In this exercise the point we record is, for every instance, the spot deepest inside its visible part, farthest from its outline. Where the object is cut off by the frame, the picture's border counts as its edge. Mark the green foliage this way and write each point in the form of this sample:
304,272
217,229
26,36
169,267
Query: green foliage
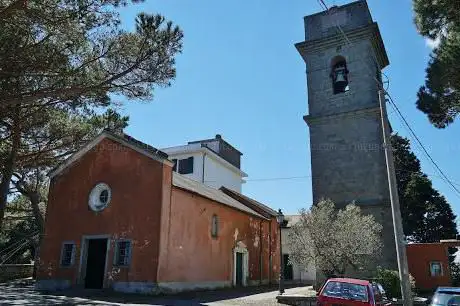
390,281
20,235
440,97
48,136
76,52
426,214
62,61
455,274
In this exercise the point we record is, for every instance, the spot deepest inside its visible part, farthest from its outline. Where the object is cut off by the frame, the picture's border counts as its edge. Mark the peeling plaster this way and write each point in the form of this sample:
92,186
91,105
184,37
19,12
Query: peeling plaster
256,241
235,235
113,273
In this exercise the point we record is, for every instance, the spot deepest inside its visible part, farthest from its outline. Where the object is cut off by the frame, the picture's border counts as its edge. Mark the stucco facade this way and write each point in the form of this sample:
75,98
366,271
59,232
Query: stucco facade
167,223
423,257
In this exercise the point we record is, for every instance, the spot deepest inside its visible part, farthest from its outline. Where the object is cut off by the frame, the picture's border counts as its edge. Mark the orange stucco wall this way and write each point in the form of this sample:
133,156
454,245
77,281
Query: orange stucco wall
134,211
419,256
170,228
193,255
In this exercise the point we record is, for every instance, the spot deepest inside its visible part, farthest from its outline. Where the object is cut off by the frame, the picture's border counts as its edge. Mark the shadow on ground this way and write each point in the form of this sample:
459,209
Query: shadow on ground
23,293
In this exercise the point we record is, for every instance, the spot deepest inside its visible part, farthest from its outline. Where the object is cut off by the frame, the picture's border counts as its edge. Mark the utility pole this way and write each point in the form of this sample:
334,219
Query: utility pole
395,208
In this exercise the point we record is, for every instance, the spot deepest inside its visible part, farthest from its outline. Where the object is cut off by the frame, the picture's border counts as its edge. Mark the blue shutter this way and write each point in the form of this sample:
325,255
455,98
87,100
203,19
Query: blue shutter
128,253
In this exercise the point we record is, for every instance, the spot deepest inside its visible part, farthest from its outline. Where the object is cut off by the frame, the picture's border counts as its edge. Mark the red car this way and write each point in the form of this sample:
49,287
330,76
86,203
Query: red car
351,292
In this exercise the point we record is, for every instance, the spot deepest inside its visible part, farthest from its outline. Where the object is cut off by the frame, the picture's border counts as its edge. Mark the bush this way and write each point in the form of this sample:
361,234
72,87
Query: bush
390,281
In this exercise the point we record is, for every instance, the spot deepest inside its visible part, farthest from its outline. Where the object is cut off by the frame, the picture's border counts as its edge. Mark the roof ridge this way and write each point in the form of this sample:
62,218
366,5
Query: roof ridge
264,207
213,194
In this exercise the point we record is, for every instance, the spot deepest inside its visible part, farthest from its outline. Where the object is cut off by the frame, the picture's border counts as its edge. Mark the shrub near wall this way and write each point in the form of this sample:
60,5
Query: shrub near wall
12,272
390,281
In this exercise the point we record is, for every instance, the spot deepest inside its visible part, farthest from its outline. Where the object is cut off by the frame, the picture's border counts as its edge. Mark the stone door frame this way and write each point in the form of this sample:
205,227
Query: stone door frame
241,248
84,257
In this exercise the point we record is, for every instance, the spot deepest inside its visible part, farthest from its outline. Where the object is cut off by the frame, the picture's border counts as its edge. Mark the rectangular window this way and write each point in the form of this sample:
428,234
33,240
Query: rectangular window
67,254
186,165
214,226
175,165
435,268
122,253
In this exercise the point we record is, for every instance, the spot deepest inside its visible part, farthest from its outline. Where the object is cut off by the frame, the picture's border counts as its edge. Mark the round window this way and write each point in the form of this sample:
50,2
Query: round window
100,197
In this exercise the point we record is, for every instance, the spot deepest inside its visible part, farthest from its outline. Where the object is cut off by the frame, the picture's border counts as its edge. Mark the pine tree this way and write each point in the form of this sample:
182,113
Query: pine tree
440,97
427,216
60,61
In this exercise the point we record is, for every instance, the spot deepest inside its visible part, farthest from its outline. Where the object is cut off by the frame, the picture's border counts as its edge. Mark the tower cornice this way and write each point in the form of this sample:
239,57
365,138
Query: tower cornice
372,31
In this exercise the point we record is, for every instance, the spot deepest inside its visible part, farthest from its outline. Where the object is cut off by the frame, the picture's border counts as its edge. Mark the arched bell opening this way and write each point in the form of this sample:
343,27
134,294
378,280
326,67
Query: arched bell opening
339,75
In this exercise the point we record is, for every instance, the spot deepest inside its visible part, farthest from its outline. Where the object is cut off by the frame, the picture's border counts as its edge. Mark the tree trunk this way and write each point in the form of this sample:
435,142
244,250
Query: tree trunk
8,167
35,198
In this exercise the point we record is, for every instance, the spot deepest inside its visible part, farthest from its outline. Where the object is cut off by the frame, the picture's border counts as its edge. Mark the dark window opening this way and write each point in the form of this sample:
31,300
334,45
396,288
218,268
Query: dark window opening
214,226
175,165
104,196
123,253
339,75
186,165
68,251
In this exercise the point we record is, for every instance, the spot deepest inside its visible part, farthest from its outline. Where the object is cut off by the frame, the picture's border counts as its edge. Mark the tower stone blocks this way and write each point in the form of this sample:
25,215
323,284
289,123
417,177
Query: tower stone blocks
344,55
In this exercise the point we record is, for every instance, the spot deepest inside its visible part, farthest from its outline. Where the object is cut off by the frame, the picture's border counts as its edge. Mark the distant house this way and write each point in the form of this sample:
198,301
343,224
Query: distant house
120,217
295,273
429,263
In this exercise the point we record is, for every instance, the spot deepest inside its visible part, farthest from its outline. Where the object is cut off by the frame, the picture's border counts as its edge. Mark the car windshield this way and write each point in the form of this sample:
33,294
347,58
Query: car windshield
446,299
346,291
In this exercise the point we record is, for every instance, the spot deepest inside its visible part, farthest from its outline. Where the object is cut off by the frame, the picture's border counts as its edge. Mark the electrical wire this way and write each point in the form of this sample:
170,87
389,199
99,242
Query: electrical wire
393,104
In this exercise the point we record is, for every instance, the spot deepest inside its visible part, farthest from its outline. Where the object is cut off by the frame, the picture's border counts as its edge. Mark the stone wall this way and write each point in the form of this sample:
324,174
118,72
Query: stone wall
346,139
11,272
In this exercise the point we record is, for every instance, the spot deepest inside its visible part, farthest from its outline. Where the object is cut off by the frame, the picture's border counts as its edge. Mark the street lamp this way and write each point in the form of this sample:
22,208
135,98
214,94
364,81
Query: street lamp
280,219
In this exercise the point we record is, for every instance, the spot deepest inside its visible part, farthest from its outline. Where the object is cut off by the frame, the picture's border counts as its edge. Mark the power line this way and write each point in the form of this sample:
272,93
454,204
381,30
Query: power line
323,4
421,144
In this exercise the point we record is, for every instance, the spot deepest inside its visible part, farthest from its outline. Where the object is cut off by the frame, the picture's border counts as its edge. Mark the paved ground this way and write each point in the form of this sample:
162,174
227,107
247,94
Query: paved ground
23,293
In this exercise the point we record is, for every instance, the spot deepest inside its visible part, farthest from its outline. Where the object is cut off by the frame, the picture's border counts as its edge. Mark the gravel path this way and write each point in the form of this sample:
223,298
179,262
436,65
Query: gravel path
23,293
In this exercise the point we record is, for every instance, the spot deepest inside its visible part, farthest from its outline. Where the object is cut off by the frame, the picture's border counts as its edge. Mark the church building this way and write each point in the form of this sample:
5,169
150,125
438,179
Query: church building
124,215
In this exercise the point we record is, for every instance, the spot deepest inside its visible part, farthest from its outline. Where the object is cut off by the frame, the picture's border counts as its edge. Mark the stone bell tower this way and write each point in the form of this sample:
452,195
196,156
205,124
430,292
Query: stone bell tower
344,55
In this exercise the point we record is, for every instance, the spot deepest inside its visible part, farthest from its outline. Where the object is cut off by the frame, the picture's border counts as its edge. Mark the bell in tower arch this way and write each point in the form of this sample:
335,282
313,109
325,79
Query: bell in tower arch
340,77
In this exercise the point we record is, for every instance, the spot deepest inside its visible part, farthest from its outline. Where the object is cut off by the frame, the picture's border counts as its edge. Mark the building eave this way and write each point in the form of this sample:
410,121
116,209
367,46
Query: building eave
212,194
95,141
249,202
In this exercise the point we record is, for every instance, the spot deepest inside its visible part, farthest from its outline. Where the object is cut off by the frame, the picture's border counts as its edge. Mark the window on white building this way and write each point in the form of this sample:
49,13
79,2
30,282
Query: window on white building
435,268
185,165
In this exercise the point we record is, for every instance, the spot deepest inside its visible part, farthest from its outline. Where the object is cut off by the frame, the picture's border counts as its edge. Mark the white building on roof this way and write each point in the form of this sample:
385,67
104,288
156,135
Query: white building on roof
213,162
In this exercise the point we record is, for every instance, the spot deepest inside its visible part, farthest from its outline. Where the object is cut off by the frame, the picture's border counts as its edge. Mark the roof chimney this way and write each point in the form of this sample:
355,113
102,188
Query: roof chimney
218,136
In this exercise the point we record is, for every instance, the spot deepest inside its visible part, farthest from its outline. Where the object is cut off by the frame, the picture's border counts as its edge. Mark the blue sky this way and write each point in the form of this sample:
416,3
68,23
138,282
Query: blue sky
240,76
